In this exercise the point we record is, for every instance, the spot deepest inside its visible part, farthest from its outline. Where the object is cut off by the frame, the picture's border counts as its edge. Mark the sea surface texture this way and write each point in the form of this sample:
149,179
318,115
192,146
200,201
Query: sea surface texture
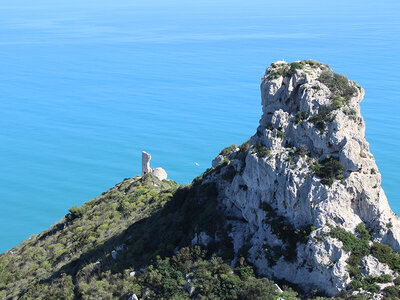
85,86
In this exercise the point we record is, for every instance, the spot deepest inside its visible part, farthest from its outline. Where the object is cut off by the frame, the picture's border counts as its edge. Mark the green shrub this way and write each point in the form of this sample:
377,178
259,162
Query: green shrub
257,289
75,212
261,150
301,116
286,232
357,246
323,118
338,102
277,73
312,63
4,276
339,85
385,278
244,147
397,281
226,151
280,134
293,67
391,293
285,71
328,170
350,112
385,255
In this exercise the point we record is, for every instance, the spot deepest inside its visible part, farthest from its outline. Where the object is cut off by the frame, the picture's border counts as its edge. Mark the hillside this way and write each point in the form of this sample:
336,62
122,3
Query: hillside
299,203
94,251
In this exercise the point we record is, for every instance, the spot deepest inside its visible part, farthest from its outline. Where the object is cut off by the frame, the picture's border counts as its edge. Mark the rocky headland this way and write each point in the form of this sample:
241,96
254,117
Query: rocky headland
299,204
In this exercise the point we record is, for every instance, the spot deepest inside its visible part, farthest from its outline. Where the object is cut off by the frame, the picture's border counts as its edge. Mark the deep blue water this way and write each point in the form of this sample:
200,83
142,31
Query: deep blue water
85,86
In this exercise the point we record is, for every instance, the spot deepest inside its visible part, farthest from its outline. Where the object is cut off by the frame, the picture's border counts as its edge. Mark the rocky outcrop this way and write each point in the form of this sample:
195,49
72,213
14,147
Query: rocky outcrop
146,163
158,172
307,170
216,161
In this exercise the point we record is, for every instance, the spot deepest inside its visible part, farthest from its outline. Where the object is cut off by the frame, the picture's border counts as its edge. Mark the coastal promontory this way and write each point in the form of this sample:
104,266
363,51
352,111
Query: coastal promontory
296,211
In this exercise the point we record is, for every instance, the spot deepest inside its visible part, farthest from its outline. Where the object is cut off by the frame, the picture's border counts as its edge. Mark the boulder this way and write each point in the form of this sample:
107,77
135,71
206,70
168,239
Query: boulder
216,161
160,173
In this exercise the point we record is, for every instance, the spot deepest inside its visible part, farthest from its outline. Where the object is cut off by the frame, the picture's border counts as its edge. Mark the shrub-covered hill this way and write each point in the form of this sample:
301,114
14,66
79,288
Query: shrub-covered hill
123,243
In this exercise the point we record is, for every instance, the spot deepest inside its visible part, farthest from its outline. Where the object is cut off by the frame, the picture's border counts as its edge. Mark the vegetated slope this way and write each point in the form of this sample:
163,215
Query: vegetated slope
92,252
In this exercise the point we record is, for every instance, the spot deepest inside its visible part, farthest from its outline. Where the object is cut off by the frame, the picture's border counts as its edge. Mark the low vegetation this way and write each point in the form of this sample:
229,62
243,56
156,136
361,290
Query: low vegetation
301,116
339,85
280,134
287,233
386,255
228,150
323,118
147,216
207,277
329,170
286,70
359,246
261,150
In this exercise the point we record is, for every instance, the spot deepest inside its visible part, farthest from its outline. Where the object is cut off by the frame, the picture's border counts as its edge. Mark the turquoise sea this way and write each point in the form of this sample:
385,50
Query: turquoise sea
85,86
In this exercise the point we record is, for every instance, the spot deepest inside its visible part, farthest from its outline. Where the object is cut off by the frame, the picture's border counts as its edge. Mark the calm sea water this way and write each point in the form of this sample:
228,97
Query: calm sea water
85,86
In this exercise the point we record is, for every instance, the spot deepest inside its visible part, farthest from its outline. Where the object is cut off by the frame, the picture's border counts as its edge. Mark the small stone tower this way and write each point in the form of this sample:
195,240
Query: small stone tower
158,172
146,163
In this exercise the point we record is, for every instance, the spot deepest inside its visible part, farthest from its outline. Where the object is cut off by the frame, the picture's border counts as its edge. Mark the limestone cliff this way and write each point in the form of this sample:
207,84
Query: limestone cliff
305,175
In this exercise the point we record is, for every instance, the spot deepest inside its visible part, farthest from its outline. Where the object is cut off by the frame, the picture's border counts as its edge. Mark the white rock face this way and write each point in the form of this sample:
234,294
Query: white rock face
372,266
216,161
285,181
158,172
133,297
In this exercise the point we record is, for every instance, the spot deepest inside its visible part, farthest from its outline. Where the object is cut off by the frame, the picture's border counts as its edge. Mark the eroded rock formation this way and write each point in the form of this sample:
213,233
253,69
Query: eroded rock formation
307,172
146,163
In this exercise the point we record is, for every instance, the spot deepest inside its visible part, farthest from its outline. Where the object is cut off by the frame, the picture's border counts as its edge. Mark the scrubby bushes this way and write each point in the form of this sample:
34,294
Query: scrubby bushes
207,277
341,92
357,245
243,148
301,116
261,150
339,85
323,118
350,112
391,293
280,134
286,70
226,151
386,255
328,170
286,232
76,212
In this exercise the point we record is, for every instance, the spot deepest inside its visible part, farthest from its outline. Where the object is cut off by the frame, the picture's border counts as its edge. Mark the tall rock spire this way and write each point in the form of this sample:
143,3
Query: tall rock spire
306,173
